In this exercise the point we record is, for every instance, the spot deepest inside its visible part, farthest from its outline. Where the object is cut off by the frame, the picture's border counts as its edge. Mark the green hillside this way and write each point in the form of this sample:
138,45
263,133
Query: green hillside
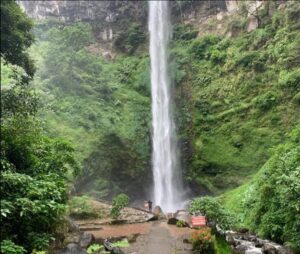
236,98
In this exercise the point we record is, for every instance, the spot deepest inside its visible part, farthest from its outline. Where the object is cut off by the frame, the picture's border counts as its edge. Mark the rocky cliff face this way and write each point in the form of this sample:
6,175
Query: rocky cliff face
111,17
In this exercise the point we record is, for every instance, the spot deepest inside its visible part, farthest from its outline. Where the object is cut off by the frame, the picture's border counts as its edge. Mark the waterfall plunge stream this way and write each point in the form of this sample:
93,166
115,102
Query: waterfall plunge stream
168,190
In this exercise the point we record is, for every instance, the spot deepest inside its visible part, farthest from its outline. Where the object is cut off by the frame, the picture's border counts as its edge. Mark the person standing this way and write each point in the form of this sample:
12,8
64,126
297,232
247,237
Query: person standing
150,205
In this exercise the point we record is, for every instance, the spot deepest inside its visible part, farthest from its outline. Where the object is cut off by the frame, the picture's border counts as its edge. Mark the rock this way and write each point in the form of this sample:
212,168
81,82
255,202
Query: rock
240,249
72,226
268,249
211,224
135,215
86,239
253,251
73,248
260,242
72,238
132,238
158,212
252,23
184,216
171,217
185,240
243,230
230,240
172,221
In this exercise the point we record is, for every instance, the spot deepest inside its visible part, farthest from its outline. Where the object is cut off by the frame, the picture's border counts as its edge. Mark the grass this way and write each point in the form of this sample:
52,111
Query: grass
221,246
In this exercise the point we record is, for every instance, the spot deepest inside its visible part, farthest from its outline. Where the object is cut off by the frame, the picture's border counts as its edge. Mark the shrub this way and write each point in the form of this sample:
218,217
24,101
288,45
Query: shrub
266,101
203,241
39,241
80,208
213,210
95,248
290,79
184,32
121,244
129,41
251,59
271,203
9,247
235,26
119,202
217,56
296,98
181,223
200,47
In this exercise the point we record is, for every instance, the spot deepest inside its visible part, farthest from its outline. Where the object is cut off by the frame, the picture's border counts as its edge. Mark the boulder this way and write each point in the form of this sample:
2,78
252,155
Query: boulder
158,212
268,249
73,248
86,239
243,230
72,238
240,249
171,217
184,216
230,239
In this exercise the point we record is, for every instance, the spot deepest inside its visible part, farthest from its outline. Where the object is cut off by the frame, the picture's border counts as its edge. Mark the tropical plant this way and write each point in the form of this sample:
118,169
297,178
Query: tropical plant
203,241
119,202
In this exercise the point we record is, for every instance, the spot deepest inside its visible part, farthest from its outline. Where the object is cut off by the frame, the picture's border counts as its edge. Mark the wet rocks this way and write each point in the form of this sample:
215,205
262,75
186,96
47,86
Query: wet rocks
243,242
158,213
181,215
132,215
73,248
86,239
171,217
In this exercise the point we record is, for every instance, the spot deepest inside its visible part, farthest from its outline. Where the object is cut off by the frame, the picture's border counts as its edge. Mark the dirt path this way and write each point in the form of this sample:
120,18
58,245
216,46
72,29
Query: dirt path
161,239
155,237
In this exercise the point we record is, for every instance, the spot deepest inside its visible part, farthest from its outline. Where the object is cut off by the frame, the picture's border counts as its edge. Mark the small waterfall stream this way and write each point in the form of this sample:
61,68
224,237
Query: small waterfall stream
168,190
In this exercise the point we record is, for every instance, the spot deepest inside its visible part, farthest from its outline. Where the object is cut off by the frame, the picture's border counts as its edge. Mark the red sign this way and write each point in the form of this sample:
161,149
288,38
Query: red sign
198,221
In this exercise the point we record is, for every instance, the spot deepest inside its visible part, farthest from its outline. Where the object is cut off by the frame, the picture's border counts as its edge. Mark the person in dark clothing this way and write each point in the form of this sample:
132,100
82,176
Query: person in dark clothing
150,205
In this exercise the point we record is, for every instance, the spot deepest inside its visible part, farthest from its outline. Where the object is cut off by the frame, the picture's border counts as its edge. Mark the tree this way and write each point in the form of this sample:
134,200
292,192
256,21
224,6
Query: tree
16,36
33,177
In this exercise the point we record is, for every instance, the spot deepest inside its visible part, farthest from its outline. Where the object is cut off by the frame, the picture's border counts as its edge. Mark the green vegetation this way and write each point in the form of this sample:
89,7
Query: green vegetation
213,210
203,241
119,202
95,248
34,166
237,99
237,110
8,247
80,208
269,203
221,246
16,36
102,106
123,243
180,224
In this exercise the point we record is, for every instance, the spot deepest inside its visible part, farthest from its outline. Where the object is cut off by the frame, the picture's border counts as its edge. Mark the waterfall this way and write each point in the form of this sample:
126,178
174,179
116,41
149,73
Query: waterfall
167,178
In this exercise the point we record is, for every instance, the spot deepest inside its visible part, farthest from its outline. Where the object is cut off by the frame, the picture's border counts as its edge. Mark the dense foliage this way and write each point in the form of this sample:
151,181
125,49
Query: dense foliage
203,241
34,166
118,203
101,105
237,95
269,204
213,210
16,36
